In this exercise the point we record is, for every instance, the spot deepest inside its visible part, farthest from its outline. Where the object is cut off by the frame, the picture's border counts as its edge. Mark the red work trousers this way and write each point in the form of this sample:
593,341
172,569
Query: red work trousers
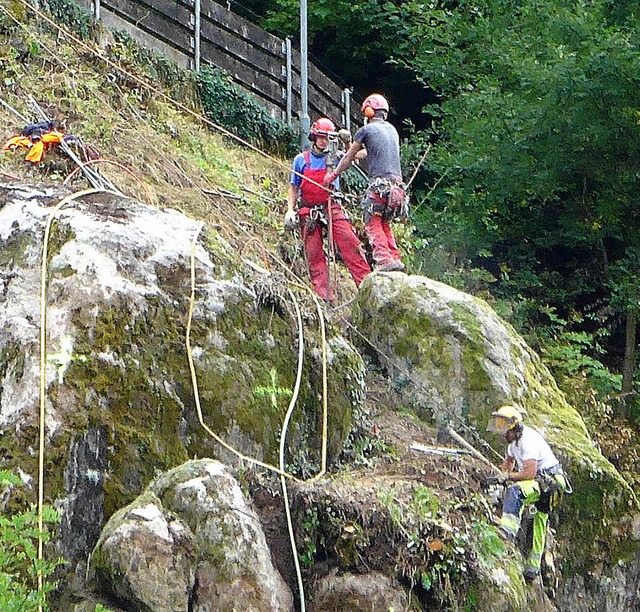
346,241
385,250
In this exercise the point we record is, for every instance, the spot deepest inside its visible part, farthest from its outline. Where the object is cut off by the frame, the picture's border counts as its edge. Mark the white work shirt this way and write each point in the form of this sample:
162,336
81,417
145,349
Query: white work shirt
532,445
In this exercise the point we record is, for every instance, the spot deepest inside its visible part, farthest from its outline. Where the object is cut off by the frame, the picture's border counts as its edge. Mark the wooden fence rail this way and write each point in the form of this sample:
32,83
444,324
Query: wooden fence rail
197,32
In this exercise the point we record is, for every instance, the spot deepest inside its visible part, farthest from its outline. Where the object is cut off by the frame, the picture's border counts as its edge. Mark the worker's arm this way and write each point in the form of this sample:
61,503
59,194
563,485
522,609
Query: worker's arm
292,197
507,463
345,162
528,471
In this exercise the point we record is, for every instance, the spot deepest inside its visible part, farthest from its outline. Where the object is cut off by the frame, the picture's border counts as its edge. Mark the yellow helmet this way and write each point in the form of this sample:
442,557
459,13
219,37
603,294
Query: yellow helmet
504,419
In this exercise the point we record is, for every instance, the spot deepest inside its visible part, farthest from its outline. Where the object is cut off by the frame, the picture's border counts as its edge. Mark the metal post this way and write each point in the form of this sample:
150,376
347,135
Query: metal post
96,10
289,81
305,122
346,99
196,36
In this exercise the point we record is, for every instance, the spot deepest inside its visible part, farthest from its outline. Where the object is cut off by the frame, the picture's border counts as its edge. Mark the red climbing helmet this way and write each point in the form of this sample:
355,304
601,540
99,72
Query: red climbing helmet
373,103
321,127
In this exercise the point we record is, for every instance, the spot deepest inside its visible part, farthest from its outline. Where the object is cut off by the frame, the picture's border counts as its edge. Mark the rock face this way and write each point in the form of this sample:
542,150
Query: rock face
120,396
128,397
190,541
372,591
454,360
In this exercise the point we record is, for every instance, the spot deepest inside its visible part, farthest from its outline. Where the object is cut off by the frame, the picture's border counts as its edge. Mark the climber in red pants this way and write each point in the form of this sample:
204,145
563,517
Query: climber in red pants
385,199
308,208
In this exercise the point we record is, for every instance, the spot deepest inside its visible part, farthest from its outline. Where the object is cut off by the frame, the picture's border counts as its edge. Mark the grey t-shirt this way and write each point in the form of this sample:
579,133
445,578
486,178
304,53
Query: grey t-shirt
381,140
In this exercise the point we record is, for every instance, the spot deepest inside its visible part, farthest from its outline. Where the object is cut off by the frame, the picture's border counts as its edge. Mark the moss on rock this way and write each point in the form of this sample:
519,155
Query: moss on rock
460,362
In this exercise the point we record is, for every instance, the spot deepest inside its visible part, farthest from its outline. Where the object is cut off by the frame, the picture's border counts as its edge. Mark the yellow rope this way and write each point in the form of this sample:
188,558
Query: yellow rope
285,427
298,282
325,409
43,366
194,379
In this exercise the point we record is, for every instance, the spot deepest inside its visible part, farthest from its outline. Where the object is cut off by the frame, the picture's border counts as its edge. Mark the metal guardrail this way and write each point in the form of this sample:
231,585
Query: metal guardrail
197,32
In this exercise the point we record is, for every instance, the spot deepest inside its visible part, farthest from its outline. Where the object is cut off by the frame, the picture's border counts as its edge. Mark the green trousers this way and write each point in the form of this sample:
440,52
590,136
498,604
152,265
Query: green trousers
519,495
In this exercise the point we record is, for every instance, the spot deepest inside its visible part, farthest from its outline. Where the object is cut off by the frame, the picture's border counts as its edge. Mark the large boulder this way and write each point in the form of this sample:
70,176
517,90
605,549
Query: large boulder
190,541
122,403
455,361
146,559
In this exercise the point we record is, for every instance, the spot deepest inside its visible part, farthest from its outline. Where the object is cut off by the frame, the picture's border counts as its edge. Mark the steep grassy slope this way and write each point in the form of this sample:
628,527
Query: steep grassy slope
172,158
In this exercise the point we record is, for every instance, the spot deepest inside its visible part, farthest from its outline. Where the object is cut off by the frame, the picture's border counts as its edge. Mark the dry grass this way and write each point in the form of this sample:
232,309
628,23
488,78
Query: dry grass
172,159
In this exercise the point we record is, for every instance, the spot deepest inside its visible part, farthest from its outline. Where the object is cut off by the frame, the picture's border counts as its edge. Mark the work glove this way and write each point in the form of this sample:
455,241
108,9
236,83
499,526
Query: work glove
329,178
503,478
291,220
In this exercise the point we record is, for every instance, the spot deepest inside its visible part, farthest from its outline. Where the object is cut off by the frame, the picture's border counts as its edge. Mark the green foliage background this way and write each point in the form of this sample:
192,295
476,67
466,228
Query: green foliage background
530,193
226,105
19,563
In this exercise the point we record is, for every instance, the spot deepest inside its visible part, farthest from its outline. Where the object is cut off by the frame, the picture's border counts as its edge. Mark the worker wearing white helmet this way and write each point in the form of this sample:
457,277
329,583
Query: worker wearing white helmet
532,474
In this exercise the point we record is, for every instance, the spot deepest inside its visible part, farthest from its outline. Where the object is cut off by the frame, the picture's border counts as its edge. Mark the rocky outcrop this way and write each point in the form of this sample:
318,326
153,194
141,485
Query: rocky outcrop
124,407
122,403
189,542
454,360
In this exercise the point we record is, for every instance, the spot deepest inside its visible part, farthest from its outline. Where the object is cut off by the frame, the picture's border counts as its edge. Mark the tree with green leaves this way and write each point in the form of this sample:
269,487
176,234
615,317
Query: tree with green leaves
532,182
538,144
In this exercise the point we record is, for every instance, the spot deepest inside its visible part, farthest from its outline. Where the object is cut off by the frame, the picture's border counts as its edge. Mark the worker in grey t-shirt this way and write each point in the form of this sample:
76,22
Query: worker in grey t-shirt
385,198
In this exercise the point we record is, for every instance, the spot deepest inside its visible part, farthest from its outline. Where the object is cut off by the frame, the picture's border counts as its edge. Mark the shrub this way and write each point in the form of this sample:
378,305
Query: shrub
19,563
228,106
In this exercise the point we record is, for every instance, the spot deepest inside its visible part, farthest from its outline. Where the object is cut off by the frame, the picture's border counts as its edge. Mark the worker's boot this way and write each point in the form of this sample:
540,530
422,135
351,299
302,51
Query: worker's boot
393,266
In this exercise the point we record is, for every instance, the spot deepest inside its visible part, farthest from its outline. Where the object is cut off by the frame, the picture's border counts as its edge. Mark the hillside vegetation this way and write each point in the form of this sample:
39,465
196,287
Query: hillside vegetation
146,119
132,107
134,117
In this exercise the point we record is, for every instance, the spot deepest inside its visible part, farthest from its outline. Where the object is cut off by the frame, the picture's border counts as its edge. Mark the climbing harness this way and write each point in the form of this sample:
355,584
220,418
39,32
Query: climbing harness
387,198
314,215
